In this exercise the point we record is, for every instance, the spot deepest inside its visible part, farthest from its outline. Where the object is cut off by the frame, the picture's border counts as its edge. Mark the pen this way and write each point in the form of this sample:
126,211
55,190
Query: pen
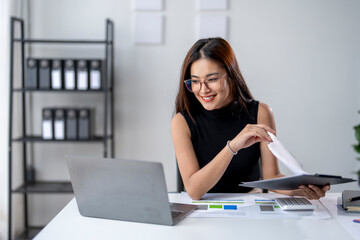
354,198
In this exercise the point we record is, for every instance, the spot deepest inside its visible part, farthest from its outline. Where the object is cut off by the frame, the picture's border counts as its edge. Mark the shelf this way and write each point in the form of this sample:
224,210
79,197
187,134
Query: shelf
28,137
30,233
59,41
40,139
61,90
45,187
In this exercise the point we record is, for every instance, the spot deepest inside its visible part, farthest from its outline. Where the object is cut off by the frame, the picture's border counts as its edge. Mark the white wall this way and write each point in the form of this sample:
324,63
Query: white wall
4,23
300,57
6,9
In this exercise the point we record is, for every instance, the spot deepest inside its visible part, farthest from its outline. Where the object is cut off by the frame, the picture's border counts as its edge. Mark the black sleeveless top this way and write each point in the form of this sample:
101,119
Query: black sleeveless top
209,134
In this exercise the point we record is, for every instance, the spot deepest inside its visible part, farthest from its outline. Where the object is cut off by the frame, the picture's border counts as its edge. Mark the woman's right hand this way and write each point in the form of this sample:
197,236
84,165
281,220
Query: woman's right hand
252,133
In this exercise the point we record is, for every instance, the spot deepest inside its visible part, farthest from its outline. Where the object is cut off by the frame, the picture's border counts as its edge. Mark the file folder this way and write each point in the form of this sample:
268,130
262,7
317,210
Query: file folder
44,74
69,75
84,124
47,124
95,74
56,74
71,124
31,80
59,124
82,75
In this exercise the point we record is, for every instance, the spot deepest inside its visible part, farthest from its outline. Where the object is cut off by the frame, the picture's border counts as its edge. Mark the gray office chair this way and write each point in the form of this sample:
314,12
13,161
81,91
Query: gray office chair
257,174
179,182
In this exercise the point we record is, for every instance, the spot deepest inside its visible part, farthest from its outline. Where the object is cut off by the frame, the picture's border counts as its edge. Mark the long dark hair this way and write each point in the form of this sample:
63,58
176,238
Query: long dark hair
220,51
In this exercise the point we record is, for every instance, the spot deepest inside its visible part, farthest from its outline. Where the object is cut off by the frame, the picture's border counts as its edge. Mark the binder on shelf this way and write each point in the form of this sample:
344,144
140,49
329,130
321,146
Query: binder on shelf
84,124
47,124
69,74
56,74
59,124
44,74
31,80
95,74
71,124
82,75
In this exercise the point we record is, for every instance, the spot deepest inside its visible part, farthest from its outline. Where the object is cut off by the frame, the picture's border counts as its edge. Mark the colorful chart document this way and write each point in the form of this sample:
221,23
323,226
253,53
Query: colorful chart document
247,206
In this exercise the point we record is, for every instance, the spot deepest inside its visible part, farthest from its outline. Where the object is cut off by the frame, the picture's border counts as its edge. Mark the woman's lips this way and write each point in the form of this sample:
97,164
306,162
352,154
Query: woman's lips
208,98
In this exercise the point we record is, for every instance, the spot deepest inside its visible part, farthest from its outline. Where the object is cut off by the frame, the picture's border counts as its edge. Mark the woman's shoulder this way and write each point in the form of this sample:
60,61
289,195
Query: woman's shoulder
264,108
178,118
184,116
179,123
265,114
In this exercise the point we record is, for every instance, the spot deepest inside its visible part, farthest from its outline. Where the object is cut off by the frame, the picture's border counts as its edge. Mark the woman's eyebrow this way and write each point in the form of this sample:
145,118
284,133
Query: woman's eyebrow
207,75
212,74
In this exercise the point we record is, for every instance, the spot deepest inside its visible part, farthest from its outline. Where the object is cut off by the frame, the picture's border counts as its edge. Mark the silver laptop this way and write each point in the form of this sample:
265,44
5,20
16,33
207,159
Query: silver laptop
126,190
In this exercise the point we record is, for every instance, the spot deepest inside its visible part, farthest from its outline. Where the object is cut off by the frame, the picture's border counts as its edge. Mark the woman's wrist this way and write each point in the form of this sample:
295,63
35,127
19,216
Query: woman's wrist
231,148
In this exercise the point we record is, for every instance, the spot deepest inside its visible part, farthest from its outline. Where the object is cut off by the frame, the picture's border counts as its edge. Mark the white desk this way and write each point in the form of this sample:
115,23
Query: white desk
69,224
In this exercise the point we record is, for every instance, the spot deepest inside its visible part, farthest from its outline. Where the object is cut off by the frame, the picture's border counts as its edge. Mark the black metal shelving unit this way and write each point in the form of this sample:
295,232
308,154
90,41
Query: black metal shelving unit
40,139
52,187
60,90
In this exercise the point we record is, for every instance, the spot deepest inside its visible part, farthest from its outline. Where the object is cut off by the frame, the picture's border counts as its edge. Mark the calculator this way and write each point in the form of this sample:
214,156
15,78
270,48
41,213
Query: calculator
295,203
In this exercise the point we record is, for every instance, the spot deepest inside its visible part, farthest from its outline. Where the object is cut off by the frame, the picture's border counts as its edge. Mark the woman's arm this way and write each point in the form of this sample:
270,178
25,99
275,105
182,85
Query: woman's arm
269,163
199,181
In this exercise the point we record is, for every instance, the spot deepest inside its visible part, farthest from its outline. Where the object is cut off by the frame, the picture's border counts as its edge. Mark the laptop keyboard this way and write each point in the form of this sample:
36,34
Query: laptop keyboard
292,203
174,214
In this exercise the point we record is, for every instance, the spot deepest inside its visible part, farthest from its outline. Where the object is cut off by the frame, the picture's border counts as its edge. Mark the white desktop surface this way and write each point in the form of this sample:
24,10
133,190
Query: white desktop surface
69,224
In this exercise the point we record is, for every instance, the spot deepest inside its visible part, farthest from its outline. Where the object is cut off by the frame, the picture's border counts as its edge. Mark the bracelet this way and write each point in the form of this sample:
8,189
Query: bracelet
228,144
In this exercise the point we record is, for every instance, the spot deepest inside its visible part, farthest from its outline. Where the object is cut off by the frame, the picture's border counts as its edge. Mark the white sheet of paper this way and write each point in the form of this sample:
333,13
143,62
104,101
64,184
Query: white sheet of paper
82,80
212,4
148,4
59,128
95,80
47,132
212,26
56,79
281,153
148,28
69,79
248,206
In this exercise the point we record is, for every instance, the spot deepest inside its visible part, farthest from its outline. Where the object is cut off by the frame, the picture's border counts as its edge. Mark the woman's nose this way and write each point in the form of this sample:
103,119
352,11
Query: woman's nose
204,87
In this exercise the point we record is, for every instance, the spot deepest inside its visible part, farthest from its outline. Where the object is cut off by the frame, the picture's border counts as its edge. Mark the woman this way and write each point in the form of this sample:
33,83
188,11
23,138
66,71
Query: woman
219,131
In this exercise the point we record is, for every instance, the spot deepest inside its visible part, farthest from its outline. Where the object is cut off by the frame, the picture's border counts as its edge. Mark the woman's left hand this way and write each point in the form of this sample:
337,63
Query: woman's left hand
313,192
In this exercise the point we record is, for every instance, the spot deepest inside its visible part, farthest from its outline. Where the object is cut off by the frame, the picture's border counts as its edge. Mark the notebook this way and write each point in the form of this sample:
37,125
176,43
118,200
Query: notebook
127,190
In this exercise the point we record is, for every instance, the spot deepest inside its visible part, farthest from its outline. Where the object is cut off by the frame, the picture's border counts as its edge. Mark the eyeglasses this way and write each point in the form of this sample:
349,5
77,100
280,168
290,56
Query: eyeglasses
213,83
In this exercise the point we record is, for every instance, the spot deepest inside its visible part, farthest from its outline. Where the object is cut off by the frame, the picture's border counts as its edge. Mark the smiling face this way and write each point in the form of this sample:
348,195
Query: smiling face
204,70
